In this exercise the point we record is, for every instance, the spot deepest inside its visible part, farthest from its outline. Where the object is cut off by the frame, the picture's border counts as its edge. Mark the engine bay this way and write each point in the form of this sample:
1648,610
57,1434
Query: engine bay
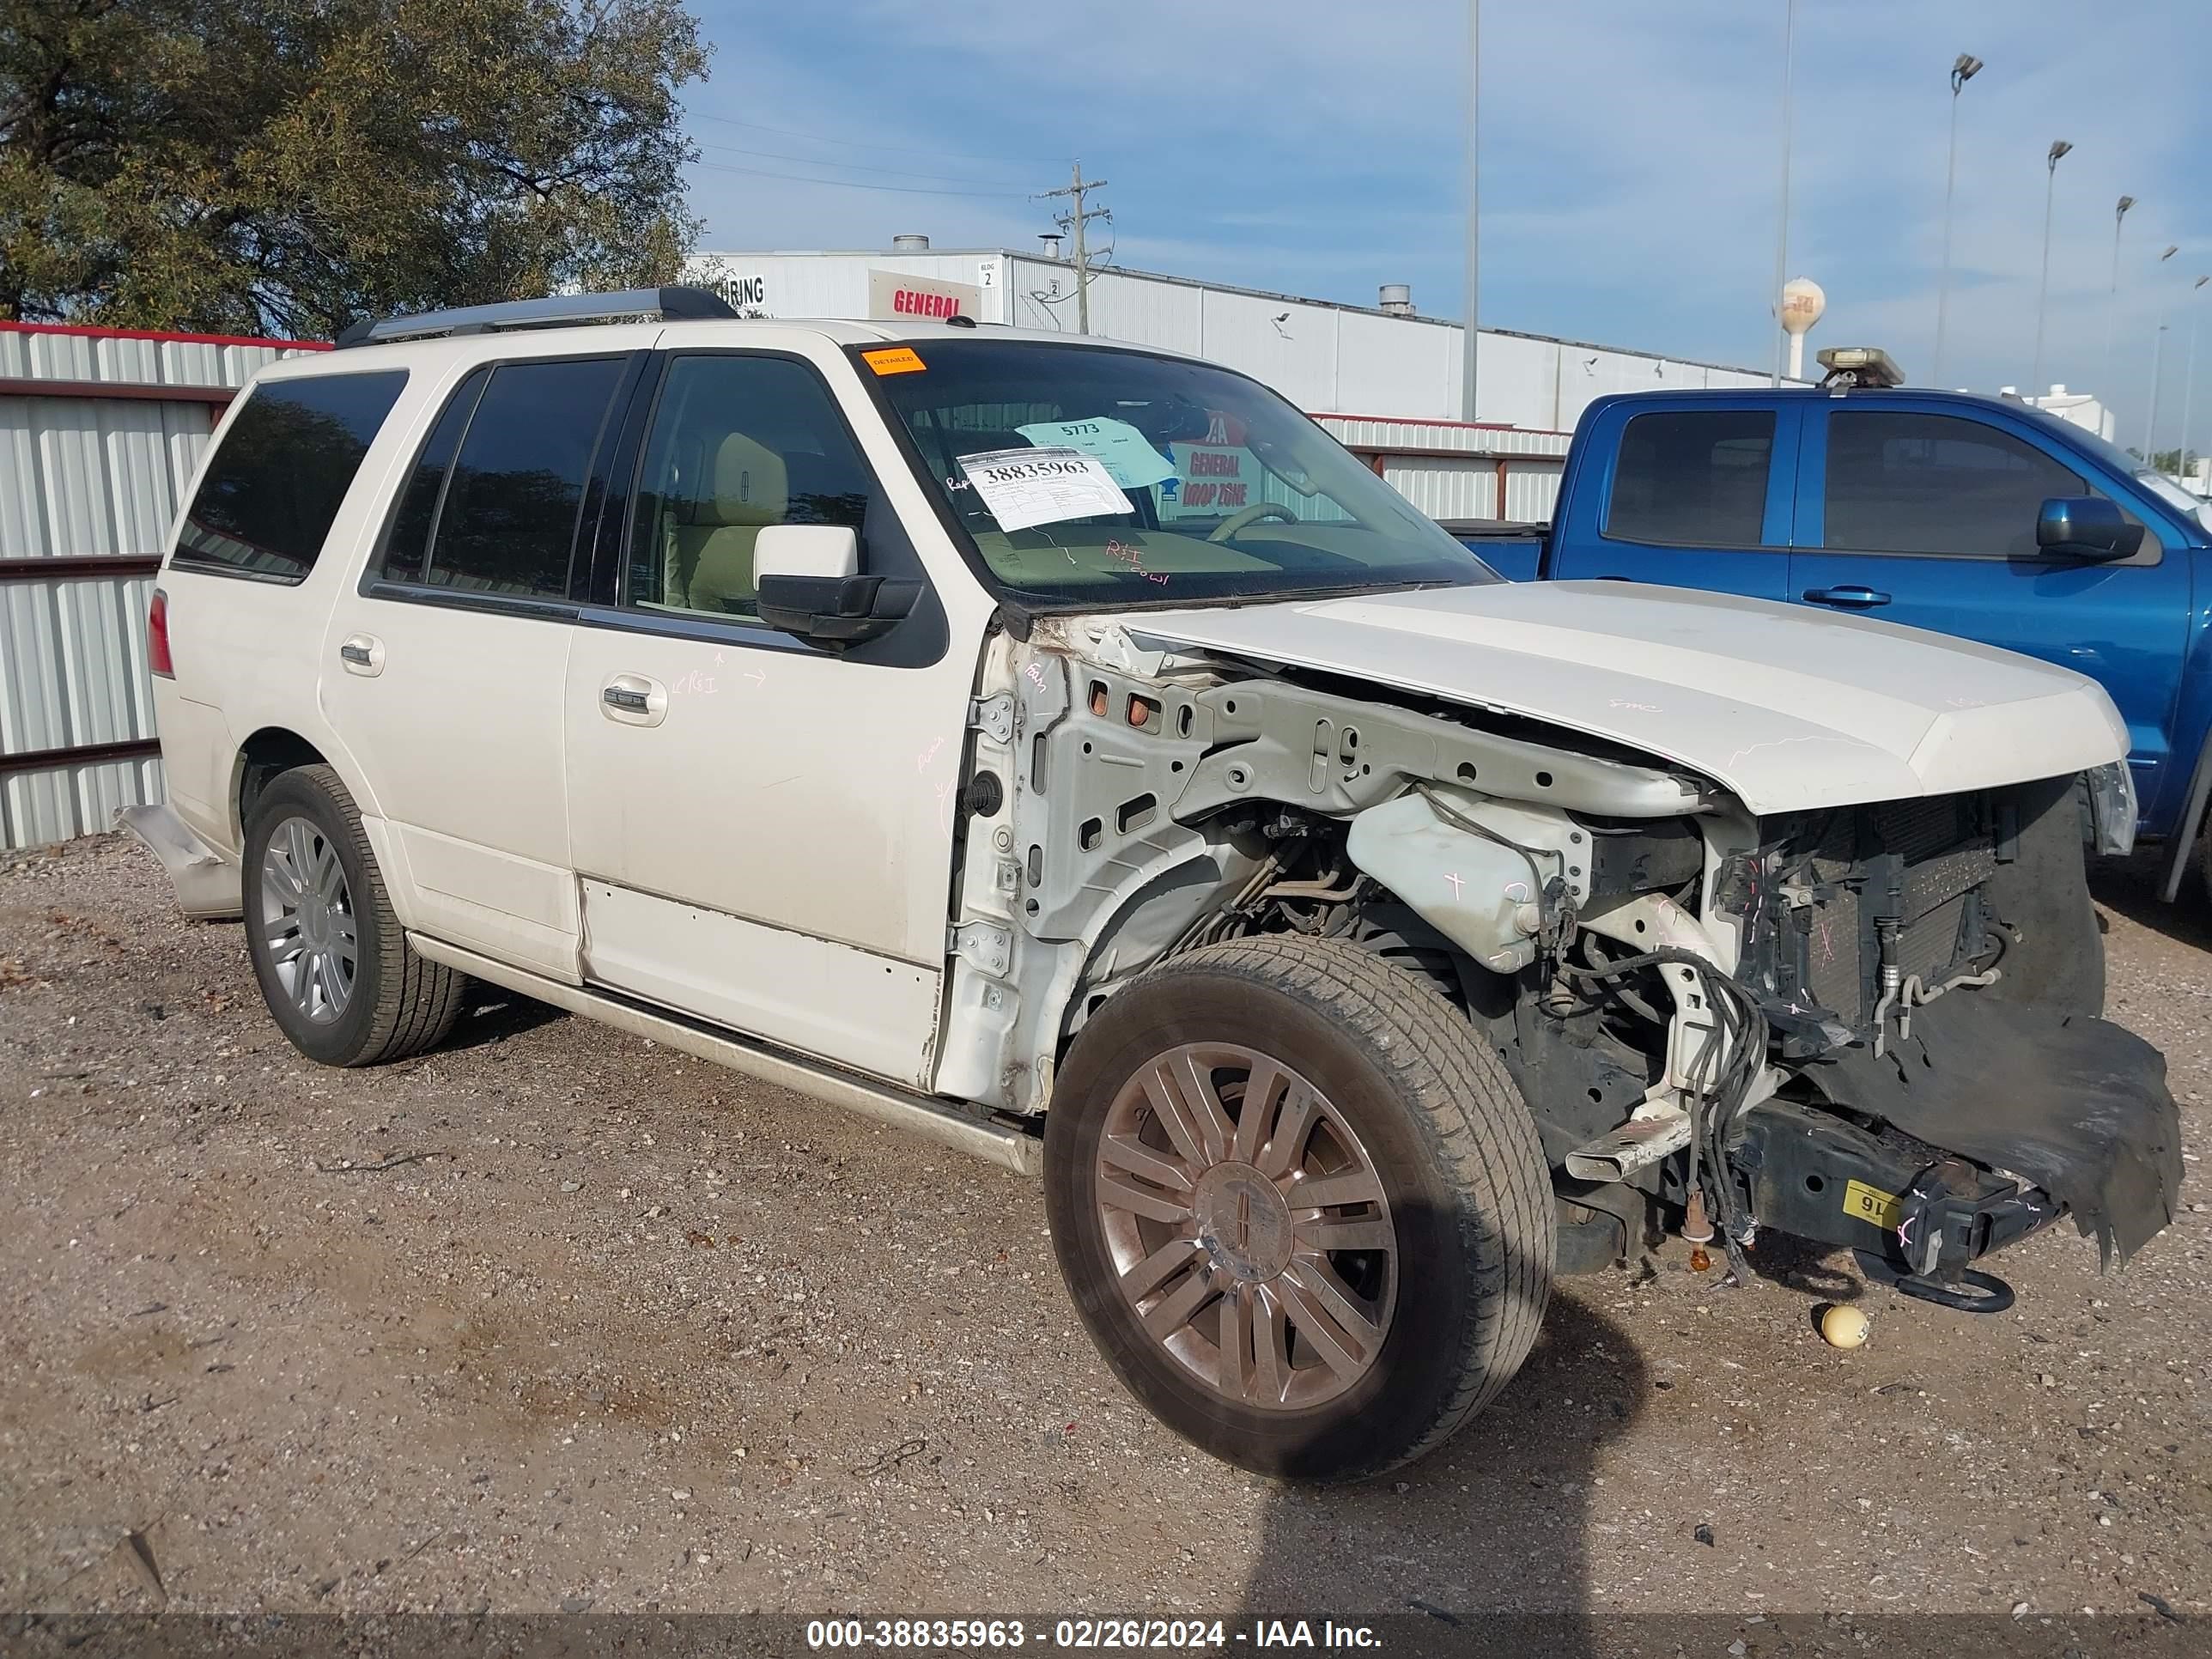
1874,1025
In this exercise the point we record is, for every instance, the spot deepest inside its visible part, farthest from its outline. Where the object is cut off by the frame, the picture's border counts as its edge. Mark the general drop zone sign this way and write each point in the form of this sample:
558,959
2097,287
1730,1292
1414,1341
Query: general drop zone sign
1216,479
892,296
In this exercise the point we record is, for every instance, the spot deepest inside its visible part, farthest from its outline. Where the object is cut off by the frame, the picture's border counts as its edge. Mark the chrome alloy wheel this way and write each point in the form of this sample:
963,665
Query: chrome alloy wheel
1249,1226
308,920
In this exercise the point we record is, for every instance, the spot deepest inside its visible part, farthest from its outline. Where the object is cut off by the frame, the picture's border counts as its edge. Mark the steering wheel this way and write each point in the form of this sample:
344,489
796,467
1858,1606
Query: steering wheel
1249,515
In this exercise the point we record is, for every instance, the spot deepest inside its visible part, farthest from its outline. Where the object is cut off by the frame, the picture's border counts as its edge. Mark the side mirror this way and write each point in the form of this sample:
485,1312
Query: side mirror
808,580
2085,527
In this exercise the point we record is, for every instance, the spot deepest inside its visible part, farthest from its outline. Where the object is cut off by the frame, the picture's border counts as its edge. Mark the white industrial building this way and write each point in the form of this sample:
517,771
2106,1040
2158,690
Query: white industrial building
2077,408
1385,379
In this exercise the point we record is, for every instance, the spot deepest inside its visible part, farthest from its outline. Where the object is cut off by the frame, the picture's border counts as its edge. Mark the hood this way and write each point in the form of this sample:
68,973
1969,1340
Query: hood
1787,707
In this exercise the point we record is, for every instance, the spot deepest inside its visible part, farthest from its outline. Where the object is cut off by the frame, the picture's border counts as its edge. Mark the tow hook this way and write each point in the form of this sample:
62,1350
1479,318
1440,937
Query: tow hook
1995,1295
1939,1230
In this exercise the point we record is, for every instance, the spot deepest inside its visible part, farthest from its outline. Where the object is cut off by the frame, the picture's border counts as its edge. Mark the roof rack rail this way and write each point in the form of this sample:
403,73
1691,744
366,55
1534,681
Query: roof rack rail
636,305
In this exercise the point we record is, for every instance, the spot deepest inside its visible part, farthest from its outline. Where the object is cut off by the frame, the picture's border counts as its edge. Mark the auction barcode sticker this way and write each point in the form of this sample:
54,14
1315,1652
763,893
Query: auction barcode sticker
1026,487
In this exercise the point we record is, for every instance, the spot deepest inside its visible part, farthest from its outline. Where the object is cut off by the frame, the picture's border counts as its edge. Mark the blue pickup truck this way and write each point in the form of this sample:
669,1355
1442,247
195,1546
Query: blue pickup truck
1976,516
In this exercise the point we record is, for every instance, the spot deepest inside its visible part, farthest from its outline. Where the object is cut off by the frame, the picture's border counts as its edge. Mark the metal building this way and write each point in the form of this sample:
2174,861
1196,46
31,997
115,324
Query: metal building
1385,369
100,432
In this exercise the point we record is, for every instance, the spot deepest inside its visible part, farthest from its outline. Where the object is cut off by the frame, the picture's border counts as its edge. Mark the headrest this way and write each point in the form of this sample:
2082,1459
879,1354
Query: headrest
749,486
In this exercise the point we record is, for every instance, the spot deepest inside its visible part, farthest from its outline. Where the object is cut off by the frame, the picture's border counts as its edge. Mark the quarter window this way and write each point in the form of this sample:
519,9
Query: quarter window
269,497
508,520
739,444
407,551
1692,478
1901,483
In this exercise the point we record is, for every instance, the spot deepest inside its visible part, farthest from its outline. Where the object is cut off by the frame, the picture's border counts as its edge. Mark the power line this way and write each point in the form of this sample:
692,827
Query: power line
849,167
860,184
849,143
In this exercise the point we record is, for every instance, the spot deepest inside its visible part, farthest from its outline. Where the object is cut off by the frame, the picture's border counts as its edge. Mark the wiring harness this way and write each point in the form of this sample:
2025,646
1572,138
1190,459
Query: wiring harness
1721,1078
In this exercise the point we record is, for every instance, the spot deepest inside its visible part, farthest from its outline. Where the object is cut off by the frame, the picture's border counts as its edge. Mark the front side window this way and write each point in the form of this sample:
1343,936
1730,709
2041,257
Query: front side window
1103,476
738,444
268,499
509,519
1901,483
1692,478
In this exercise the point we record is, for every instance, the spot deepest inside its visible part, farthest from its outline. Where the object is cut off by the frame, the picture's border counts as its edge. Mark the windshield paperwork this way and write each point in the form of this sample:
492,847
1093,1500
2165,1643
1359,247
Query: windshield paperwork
1102,476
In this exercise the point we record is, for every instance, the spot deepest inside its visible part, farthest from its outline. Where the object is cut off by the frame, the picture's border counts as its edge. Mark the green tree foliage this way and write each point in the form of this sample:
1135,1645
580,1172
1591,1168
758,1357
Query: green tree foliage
290,166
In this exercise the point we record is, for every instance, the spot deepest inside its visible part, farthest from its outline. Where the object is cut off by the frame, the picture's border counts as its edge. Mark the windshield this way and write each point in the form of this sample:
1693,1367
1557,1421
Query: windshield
1101,476
2190,509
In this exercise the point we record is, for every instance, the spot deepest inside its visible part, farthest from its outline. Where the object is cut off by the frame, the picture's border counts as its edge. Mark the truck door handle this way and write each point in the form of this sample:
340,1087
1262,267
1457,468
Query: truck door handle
362,653
634,700
1851,597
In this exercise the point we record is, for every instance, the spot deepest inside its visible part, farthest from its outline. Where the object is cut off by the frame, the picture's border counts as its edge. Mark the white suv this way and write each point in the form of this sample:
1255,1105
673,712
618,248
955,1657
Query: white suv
1071,752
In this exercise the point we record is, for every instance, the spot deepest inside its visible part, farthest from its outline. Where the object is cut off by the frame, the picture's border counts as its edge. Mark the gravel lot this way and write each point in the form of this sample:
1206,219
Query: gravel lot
554,1318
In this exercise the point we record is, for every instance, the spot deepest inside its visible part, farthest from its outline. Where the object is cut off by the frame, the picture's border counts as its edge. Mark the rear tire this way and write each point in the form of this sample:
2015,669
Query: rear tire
333,961
1328,1340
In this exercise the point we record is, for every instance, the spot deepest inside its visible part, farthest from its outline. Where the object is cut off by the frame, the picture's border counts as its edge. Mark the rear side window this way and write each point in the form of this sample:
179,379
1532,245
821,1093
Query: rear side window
1935,484
407,551
508,521
1692,478
268,499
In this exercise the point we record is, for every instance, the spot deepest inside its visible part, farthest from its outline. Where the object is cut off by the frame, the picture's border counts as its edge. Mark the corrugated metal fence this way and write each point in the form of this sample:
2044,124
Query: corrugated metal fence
100,432
1451,470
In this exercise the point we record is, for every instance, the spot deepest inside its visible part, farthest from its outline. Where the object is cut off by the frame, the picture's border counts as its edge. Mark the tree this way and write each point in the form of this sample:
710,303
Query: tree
2171,462
290,166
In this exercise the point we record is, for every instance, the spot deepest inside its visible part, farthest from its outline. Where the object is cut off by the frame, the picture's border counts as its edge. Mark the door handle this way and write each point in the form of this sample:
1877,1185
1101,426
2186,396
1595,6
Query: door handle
1851,597
634,700
362,653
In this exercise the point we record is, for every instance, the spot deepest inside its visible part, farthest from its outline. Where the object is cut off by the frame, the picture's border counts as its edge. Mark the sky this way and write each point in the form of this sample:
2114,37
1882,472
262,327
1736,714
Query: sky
1631,162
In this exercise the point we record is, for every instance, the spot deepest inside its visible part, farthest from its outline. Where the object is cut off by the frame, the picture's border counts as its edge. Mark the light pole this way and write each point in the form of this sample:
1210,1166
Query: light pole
1474,218
1967,67
2157,354
2113,304
2189,378
1782,230
2042,290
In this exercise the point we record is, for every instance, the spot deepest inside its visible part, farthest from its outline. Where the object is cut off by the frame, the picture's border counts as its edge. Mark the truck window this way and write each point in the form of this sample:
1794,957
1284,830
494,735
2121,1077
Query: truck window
1692,478
1902,483
509,517
738,444
273,489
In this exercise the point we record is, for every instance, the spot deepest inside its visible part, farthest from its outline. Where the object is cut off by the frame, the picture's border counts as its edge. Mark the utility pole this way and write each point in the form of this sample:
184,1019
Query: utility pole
1964,69
2112,301
2158,351
2059,150
2189,380
1074,220
1469,344
1782,230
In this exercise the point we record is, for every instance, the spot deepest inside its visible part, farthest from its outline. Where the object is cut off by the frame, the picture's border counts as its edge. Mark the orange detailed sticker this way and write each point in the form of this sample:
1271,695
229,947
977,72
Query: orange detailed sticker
894,360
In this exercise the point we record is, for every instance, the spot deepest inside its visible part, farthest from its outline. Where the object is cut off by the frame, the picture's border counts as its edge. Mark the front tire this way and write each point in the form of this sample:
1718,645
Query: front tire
333,961
1300,1205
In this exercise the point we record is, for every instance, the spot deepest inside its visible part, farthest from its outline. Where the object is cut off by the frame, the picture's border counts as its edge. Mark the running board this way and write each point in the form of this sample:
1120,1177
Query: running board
1643,1140
1008,1147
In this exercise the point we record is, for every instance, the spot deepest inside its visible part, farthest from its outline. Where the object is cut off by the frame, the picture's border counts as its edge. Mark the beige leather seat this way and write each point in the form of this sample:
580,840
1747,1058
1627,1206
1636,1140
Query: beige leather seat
710,547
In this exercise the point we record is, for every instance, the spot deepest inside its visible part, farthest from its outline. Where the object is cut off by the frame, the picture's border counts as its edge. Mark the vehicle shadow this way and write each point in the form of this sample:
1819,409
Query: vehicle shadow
493,1014
2129,887
1482,1547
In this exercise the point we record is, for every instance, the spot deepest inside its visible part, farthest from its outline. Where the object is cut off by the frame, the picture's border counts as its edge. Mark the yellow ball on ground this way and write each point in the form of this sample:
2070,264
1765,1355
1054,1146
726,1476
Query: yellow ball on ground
1843,1327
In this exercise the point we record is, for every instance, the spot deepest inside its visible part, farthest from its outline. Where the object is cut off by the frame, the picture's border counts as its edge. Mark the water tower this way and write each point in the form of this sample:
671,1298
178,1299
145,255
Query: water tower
1803,302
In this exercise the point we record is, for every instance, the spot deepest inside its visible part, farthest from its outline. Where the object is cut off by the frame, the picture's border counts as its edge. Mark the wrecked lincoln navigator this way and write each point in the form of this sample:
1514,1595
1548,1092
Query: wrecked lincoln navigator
1071,753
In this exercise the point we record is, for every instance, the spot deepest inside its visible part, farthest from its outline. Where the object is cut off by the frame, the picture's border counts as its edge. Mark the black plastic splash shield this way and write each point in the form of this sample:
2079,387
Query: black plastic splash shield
2076,1105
